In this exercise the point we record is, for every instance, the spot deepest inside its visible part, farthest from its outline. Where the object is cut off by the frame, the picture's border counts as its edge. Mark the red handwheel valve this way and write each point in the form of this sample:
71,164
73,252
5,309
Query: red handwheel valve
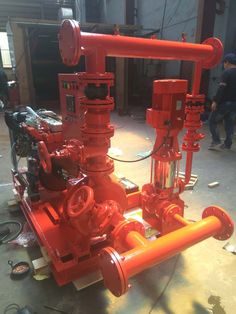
80,202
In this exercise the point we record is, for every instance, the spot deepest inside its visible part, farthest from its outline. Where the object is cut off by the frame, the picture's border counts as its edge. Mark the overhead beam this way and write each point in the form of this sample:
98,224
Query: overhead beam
20,4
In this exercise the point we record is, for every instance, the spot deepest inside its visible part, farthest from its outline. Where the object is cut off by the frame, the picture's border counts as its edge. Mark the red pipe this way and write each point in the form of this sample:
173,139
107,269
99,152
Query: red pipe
73,43
143,257
195,92
131,47
181,220
95,62
188,166
196,78
116,269
135,239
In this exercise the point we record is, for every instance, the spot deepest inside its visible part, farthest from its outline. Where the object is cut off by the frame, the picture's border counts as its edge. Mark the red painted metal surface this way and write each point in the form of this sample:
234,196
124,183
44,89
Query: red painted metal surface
86,218
117,269
167,117
74,43
44,156
71,111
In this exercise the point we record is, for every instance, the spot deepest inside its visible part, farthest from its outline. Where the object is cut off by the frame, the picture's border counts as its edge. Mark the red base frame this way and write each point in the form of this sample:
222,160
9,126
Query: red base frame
66,265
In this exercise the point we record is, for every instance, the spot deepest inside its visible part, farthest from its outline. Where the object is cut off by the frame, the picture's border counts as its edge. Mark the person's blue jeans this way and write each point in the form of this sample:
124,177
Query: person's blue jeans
225,112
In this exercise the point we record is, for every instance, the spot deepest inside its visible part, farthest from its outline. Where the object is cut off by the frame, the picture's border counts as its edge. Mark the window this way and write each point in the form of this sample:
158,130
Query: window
4,49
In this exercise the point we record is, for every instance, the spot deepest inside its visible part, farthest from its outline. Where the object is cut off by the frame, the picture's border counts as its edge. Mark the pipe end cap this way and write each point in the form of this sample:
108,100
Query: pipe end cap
70,42
216,57
114,274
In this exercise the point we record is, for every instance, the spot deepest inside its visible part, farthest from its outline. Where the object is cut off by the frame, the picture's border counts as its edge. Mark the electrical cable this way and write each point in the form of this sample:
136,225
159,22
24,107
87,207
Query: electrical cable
53,308
175,11
166,286
154,151
6,238
11,307
165,27
163,18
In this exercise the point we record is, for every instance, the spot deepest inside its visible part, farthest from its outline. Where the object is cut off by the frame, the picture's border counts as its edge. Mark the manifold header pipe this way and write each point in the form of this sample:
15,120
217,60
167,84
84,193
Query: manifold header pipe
73,43
142,254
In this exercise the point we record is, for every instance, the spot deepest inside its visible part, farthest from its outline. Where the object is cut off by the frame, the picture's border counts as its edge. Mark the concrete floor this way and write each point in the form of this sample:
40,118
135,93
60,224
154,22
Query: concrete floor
204,276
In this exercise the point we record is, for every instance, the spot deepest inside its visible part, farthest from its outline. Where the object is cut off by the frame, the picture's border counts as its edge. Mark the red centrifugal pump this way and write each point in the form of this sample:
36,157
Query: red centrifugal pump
79,218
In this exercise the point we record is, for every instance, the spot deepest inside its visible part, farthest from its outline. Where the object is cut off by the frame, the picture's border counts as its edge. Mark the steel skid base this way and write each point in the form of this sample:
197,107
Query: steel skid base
66,262
51,235
68,194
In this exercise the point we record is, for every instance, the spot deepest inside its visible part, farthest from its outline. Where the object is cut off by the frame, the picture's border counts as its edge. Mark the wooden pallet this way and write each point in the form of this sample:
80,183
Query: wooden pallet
193,180
88,280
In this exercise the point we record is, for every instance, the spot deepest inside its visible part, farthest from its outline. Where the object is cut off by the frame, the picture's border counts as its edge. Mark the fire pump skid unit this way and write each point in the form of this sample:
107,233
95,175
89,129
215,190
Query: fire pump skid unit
68,194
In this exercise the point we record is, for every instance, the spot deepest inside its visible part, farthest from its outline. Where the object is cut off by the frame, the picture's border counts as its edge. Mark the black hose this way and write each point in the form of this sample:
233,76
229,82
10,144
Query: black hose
7,238
154,151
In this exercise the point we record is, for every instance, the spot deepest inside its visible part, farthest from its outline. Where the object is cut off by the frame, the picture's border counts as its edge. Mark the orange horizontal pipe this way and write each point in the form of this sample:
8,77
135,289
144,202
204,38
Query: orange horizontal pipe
73,43
134,239
134,47
181,220
142,257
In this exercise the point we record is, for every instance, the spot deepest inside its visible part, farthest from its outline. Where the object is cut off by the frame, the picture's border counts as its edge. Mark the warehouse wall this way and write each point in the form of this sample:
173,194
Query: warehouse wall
116,11
178,18
104,11
230,39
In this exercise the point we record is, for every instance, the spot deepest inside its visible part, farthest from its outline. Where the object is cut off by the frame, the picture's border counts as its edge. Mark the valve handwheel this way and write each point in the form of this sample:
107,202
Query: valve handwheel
45,158
81,201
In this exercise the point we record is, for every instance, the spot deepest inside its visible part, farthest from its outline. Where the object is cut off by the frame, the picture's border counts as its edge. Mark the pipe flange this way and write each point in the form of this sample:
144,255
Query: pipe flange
114,275
217,52
227,222
95,169
200,98
70,42
170,211
97,78
106,104
121,231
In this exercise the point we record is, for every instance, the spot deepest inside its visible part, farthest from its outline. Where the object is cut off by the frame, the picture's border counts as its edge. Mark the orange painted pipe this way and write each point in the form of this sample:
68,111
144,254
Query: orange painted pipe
142,254
142,257
135,239
73,43
181,220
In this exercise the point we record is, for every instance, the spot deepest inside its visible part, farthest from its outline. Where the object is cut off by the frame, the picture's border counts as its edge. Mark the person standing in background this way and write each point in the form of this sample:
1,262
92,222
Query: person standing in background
224,105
